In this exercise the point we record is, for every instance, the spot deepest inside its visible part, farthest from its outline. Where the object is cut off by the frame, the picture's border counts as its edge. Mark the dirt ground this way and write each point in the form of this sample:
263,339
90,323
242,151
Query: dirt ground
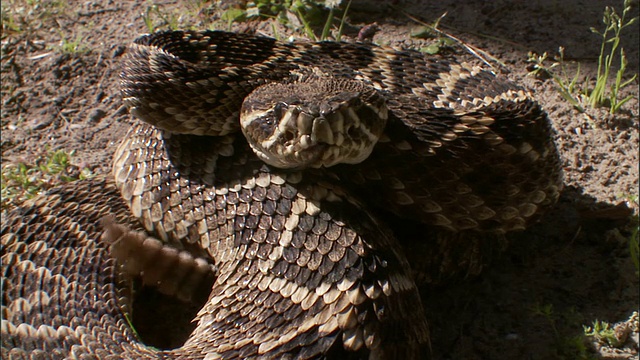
60,65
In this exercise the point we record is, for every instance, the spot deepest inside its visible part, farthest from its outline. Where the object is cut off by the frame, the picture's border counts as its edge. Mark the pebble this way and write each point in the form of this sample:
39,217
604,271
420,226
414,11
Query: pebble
512,336
96,114
119,50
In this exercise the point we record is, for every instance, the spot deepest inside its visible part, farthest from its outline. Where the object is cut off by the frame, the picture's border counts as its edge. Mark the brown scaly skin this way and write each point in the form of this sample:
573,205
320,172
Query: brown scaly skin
301,265
303,269
494,178
463,149
62,293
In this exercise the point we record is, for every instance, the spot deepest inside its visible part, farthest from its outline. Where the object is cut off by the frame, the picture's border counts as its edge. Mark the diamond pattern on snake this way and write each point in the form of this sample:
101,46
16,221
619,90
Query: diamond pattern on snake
279,179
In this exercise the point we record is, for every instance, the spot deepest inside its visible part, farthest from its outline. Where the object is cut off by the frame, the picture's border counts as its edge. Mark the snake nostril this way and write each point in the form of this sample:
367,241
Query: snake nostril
352,132
288,136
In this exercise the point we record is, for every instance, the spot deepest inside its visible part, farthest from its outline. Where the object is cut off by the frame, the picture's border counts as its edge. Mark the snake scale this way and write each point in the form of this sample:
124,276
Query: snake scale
299,260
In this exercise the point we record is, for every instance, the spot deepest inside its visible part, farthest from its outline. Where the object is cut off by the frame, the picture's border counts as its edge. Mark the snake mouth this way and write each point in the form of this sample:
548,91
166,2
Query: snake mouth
319,130
302,138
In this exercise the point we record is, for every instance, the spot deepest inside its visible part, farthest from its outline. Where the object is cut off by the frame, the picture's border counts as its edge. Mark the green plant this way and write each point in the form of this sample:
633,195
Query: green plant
566,85
72,47
634,248
154,12
428,31
445,39
609,49
190,14
10,22
308,13
604,333
614,24
567,347
23,181
26,16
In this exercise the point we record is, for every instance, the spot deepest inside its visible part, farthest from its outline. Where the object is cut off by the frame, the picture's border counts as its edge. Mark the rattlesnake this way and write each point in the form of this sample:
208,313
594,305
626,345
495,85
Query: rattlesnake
304,265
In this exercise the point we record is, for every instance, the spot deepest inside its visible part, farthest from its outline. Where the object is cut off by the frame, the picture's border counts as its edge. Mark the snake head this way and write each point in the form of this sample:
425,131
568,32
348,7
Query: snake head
314,123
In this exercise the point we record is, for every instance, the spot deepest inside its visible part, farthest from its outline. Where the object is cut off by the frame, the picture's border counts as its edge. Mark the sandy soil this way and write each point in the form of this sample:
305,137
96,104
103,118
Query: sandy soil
571,269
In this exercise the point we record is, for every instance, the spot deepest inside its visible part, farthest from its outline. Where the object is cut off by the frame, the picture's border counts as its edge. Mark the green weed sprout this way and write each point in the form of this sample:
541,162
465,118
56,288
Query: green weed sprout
610,48
308,12
23,181
614,24
603,332
566,87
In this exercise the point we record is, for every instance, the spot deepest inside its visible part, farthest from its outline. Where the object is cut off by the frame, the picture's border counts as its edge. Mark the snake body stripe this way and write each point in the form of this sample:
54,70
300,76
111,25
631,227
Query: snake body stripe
297,258
449,123
298,275
305,266
62,293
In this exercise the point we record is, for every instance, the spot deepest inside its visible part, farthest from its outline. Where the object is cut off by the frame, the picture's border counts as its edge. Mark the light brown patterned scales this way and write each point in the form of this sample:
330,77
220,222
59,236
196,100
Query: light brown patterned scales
298,273
456,136
62,293
301,265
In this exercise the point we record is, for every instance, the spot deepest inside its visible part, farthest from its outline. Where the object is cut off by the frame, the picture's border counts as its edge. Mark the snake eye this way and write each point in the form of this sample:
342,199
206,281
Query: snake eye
278,110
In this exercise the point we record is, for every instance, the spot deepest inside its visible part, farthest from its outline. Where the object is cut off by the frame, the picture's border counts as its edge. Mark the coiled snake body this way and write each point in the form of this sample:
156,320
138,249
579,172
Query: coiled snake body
304,265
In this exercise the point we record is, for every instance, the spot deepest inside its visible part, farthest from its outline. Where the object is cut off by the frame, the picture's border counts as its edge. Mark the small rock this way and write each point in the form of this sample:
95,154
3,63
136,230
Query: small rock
96,114
62,73
58,100
512,336
119,50
368,31
122,110
99,96
41,123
